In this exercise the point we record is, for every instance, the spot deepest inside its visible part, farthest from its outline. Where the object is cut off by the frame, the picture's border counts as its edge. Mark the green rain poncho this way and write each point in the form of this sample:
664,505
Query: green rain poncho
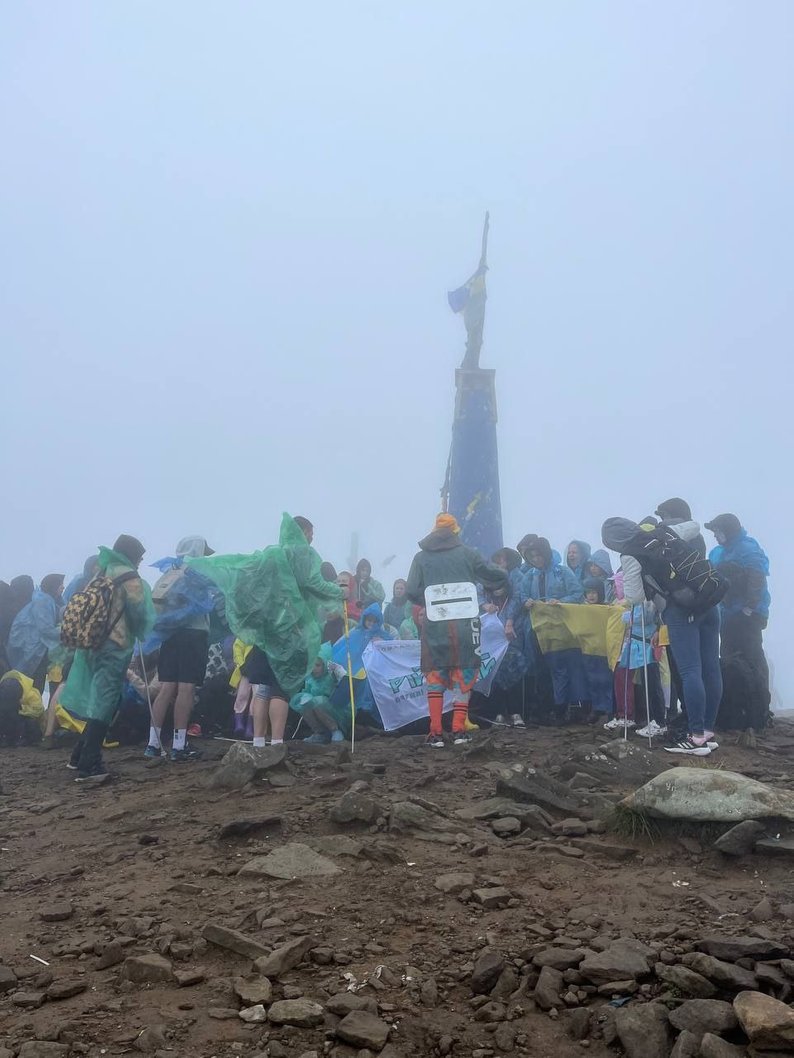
94,685
273,599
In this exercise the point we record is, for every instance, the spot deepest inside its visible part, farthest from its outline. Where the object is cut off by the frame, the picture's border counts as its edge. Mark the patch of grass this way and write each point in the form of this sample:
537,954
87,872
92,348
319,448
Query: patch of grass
630,824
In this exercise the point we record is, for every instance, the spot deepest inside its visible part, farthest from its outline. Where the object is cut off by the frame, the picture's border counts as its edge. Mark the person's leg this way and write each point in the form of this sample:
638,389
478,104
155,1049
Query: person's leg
90,760
183,707
259,713
160,706
685,647
241,705
709,632
742,634
624,694
278,713
656,695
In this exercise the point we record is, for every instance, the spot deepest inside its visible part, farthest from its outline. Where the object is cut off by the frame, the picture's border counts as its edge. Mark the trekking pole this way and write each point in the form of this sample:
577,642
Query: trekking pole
645,678
148,692
350,681
627,677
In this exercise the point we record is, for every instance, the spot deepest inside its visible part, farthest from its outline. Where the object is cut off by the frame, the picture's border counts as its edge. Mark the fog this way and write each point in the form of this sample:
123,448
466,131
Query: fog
228,231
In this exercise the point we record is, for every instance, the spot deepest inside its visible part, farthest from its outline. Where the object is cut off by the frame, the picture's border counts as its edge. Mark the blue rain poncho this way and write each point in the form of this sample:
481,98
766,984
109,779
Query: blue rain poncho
34,633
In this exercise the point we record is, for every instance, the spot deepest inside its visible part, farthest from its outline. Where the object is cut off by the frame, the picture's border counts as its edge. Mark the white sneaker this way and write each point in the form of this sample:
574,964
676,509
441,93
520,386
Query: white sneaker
517,720
617,724
651,730
500,720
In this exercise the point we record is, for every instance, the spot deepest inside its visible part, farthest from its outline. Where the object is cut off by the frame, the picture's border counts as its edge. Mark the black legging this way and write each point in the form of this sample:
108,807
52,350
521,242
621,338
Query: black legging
87,754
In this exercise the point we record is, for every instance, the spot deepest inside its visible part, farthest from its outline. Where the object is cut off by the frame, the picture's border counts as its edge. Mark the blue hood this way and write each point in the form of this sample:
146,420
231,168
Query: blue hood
584,550
601,558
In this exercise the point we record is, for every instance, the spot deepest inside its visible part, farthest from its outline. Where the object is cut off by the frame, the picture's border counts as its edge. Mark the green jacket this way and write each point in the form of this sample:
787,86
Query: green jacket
443,559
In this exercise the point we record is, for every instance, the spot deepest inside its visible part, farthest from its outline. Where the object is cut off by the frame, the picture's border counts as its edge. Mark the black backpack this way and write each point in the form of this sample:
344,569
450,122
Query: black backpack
671,567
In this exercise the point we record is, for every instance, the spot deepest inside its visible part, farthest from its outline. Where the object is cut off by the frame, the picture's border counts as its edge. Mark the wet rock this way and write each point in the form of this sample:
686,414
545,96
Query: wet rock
290,861
559,958
455,882
346,1002
363,1029
529,815
28,1000
234,940
622,959
712,1046
571,828
686,981
285,957
506,826
506,985
253,990
549,989
487,970
491,898
505,1038
42,1049
538,789
773,976
8,979
223,1013
147,969
59,912
243,764
302,1013
244,828
763,911
577,1024
700,1016
724,974
687,1045
112,954
618,988
254,1015
787,911
644,1030
768,1023
732,949
407,816
492,1012
188,978
355,807
710,795
66,989
740,840
151,1039
618,853
428,992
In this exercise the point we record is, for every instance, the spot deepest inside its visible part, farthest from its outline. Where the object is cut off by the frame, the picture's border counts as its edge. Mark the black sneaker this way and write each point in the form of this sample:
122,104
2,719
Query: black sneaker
435,741
689,747
180,756
93,778
461,738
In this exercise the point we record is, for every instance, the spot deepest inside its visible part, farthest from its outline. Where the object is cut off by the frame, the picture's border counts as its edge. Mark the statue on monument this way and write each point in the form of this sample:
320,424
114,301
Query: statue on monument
470,301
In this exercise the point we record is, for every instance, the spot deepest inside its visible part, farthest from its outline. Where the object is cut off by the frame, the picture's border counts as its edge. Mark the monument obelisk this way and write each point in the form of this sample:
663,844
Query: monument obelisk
471,489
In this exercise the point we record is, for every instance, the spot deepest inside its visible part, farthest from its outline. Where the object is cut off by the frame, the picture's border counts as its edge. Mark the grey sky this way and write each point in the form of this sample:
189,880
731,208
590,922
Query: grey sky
228,230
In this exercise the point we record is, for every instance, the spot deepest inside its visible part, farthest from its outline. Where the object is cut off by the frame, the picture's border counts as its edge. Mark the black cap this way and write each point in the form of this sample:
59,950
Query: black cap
728,524
131,547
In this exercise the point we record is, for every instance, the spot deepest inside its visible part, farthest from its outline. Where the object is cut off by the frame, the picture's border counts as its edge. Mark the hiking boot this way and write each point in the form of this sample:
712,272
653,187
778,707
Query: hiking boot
461,738
152,753
71,765
517,720
690,747
182,756
435,741
321,738
651,730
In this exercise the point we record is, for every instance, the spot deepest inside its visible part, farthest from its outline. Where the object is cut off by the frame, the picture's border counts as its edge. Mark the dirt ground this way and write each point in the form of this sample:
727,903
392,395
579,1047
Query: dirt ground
140,866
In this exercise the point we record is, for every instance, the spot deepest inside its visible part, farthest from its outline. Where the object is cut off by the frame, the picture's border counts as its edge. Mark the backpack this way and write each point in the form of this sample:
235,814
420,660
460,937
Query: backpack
86,622
671,567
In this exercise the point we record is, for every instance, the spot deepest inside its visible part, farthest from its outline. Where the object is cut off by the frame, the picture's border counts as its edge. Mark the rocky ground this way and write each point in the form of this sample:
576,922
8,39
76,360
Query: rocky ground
403,902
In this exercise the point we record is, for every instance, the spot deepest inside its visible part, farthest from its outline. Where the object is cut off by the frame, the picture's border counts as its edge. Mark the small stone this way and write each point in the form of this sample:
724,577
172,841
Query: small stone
66,989
724,974
487,970
42,1049
286,957
712,1046
8,979
223,1013
763,911
559,958
188,978
618,988
506,826
740,840
345,1002
428,992
233,940
495,897
289,862
644,1030
622,959
549,988
768,1023
253,990
151,1039
28,1000
59,912
254,1015
578,1024
302,1013
734,948
147,969
572,828
687,1045
686,981
112,954
454,883
355,807
700,1016
363,1029
505,1038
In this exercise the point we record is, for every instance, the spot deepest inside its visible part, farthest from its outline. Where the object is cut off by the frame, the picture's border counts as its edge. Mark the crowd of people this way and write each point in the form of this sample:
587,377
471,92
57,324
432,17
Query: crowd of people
254,646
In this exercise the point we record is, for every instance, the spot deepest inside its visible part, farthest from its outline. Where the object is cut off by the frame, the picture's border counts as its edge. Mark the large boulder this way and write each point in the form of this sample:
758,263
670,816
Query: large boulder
732,949
768,1023
710,795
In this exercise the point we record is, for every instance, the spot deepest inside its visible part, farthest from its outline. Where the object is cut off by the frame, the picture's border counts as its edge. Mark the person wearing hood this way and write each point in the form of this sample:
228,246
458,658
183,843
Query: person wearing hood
744,609
694,637
577,559
80,582
365,589
183,624
35,632
548,581
327,722
505,700
443,579
600,568
352,647
13,598
594,591
399,609
93,688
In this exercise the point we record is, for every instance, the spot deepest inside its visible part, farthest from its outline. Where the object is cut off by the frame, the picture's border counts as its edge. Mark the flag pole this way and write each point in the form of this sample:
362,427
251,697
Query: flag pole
350,681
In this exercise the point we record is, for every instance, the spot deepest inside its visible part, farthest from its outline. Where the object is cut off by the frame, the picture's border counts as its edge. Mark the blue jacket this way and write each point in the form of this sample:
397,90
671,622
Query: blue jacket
582,570
746,567
560,583
34,633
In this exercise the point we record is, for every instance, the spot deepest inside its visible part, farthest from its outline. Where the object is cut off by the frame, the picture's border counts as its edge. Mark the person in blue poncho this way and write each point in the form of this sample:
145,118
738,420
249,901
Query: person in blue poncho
577,559
328,722
744,610
600,567
35,631
370,627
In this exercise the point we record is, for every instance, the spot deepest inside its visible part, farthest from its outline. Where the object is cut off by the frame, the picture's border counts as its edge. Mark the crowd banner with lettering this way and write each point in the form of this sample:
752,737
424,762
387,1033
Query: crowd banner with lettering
397,683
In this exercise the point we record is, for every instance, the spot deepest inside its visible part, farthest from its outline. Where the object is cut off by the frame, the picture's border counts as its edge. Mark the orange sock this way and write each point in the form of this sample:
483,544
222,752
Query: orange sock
435,702
460,711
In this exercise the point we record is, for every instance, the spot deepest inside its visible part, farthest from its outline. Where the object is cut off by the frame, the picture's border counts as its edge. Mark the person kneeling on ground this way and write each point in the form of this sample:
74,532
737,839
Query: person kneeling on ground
442,579
328,722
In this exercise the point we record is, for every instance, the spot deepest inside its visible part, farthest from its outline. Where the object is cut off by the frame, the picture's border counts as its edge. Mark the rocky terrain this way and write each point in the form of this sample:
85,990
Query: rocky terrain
401,902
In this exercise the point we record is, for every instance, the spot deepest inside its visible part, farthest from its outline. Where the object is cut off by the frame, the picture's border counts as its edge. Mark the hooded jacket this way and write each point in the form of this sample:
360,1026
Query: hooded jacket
34,633
580,571
553,581
601,559
744,564
633,584
443,559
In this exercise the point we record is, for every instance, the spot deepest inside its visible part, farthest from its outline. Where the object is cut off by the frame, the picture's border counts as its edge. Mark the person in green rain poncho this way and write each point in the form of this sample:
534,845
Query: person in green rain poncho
273,600
329,723
93,688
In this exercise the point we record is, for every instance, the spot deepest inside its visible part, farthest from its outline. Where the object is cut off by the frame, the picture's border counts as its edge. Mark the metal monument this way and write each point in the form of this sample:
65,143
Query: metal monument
471,488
